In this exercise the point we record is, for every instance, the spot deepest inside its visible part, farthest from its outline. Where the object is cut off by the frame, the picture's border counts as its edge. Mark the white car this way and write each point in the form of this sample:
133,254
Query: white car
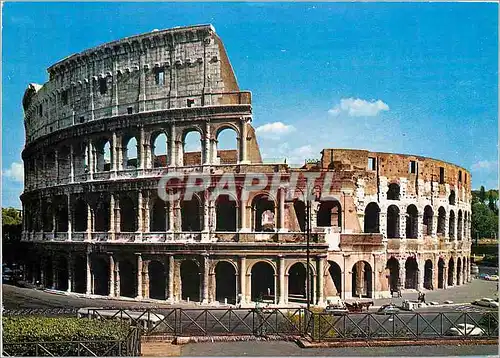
486,302
463,329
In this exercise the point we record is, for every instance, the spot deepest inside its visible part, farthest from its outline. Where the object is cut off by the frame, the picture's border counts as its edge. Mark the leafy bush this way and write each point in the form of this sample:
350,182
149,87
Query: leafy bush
52,332
326,325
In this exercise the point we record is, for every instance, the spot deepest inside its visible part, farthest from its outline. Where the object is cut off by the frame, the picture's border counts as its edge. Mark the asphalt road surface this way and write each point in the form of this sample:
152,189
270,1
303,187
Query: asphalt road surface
291,349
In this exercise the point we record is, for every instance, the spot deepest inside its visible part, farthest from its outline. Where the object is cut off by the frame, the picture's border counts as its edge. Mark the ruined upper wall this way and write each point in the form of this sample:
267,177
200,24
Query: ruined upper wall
395,167
175,68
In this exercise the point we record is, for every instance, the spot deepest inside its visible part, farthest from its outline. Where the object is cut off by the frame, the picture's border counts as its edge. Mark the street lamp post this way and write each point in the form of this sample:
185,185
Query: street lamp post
308,238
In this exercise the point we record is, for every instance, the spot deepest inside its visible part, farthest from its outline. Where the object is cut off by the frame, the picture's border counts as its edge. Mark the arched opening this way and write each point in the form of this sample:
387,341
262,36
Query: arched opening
465,265
128,215
460,225
428,275
227,146
451,226
329,214
79,274
451,271
411,222
225,213
157,280
372,218
300,213
159,146
62,273
362,279
80,216
441,265
49,275
441,221
428,217
61,214
47,216
225,282
128,279
262,282
297,283
63,162
101,218
191,148
100,273
335,277
191,214
190,281
393,221
130,159
393,267
158,216
459,271
103,151
411,273
451,198
393,192
263,213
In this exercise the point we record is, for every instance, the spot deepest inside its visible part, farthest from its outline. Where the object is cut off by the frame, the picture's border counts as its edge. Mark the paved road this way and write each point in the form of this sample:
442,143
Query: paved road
291,349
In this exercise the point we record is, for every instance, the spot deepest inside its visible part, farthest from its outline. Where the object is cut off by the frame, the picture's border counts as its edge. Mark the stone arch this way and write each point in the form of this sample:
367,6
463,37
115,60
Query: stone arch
63,161
329,214
190,280
47,222
227,154
61,206
428,219
362,279
102,214
226,213
411,222
441,220
128,278
225,282
428,275
459,271
411,273
459,225
393,277
297,290
451,225
159,149
393,221
192,154
263,213
128,214
104,154
451,271
157,280
79,273
62,273
263,281
158,216
441,266
80,215
100,273
393,192
130,152
452,198
191,214
334,278
372,218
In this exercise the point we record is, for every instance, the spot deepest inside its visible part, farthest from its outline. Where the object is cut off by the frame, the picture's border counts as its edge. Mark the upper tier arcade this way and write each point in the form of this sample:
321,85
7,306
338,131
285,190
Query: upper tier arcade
160,70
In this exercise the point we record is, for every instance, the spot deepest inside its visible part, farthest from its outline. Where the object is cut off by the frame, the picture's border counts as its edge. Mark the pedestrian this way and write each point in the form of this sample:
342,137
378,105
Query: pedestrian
423,297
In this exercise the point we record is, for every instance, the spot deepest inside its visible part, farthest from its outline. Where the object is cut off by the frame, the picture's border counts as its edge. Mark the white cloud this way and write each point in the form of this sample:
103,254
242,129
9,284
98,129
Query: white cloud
15,172
356,107
485,165
274,130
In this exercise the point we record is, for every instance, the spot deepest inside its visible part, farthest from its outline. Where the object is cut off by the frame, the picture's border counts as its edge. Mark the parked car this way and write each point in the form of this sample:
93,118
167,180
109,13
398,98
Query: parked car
486,302
388,309
484,276
494,278
465,329
336,309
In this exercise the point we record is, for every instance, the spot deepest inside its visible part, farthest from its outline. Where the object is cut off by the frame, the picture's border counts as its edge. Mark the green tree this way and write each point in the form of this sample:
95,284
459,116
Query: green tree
11,216
482,194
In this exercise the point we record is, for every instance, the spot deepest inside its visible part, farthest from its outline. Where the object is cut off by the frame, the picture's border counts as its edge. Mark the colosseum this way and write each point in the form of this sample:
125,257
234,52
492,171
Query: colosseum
96,225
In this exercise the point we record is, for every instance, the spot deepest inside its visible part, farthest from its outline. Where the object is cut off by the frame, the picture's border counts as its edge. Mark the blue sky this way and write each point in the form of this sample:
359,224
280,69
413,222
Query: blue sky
419,78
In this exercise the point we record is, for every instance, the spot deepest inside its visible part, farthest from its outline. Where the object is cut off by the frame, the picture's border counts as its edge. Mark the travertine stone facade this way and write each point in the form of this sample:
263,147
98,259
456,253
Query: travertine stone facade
98,226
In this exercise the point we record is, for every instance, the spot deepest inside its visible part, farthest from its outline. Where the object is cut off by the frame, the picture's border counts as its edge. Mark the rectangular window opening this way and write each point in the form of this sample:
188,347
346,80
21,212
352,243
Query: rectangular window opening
64,97
441,175
129,110
82,119
465,178
103,85
190,102
372,163
459,176
160,77
412,169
